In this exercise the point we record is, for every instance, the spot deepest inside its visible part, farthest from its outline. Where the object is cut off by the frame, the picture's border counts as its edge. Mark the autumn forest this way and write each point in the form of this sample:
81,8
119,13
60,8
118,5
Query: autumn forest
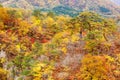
37,45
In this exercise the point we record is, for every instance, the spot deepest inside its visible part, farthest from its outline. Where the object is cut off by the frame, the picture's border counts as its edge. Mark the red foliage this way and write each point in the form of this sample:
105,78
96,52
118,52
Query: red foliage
44,40
9,31
32,40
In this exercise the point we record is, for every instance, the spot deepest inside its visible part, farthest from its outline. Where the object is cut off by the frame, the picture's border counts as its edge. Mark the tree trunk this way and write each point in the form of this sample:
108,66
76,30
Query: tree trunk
105,37
81,34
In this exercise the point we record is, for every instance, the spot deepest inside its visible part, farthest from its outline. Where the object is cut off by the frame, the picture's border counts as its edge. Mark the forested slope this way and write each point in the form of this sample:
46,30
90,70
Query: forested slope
45,46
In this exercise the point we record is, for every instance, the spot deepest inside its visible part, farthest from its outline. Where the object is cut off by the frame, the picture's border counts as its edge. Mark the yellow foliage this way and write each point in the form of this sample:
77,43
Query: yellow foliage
41,70
65,40
49,21
3,74
62,19
1,25
36,23
58,37
3,13
64,49
2,60
24,27
27,53
18,48
74,38
111,59
13,37
93,67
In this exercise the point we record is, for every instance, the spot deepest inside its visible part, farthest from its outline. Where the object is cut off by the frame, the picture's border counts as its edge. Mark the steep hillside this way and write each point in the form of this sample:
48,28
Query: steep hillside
101,6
